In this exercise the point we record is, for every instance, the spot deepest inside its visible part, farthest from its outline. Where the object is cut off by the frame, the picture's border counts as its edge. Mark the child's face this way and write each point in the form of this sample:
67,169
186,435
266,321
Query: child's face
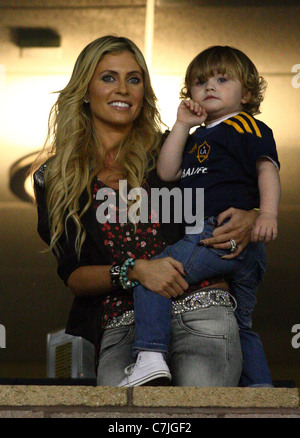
219,95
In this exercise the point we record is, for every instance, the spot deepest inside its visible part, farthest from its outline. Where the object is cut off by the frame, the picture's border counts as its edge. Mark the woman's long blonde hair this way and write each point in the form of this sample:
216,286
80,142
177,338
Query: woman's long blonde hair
75,150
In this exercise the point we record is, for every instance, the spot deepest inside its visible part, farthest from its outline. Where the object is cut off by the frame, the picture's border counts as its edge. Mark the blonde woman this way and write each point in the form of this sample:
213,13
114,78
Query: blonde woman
104,129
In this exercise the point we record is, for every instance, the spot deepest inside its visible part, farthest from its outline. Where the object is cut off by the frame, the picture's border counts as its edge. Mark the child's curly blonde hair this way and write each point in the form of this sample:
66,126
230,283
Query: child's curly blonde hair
225,59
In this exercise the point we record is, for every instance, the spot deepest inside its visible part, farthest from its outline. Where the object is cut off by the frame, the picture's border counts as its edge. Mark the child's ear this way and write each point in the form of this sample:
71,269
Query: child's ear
246,96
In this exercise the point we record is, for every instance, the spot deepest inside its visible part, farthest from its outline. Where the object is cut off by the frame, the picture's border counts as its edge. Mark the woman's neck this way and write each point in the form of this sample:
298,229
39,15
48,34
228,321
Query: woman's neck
112,170
109,136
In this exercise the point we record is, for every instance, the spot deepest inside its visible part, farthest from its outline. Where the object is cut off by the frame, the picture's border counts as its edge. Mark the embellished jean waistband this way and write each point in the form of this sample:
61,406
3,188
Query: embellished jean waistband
203,299
194,301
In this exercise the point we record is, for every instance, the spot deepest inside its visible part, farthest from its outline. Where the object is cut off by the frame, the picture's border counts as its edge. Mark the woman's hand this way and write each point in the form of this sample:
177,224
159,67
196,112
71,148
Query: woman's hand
163,276
239,228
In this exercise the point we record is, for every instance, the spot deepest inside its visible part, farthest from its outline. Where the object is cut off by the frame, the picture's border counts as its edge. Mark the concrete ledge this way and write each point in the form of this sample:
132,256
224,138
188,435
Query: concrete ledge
21,395
165,402
216,397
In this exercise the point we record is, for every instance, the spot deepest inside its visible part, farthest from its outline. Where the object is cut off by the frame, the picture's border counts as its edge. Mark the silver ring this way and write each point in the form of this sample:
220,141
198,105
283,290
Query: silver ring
233,245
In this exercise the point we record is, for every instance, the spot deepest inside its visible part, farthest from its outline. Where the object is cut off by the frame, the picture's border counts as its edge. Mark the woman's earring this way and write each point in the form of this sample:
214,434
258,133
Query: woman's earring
85,101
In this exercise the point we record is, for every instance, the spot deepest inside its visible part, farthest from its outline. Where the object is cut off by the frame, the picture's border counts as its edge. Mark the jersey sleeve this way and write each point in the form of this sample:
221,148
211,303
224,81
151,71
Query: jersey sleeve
250,139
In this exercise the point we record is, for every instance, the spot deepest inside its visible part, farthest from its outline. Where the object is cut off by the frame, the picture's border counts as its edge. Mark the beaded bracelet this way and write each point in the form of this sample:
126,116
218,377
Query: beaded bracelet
125,283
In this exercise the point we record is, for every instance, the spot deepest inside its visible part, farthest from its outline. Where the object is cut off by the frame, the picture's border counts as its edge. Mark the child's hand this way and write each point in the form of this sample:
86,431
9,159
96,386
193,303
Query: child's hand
265,228
190,113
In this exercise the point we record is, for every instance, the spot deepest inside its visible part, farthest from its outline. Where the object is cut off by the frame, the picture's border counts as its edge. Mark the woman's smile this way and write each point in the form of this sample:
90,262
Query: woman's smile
120,105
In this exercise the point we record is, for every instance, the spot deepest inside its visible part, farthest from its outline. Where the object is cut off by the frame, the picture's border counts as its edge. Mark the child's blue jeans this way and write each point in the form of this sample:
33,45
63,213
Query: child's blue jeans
153,311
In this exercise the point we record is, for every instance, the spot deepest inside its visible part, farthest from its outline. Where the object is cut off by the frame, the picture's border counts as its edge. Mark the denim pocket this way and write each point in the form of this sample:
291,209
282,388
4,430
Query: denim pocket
207,322
114,338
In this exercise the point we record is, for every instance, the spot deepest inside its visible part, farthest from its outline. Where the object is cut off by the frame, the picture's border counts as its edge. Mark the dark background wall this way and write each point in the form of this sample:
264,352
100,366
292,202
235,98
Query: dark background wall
33,300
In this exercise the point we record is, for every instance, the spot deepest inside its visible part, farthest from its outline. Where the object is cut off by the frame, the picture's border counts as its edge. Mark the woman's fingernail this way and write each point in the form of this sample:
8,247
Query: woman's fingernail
207,245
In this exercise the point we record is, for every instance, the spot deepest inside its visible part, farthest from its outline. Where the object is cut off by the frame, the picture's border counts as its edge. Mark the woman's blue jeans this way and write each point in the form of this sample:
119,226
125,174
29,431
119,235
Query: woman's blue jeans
153,312
204,350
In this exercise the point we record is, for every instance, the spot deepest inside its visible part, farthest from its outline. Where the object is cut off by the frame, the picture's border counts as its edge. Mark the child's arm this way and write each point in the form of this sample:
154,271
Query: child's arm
189,114
265,228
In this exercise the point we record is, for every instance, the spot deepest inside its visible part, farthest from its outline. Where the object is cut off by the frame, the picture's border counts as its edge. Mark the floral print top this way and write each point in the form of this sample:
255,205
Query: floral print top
122,242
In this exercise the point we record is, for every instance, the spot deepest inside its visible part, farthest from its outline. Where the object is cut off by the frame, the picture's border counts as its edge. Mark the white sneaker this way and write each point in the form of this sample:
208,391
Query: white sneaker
148,367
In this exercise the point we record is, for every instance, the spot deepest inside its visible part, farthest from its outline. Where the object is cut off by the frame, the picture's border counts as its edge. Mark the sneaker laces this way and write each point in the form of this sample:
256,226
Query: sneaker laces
129,370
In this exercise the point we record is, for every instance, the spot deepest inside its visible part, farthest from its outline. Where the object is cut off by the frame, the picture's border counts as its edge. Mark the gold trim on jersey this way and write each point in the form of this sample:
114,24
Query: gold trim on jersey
252,120
242,125
235,125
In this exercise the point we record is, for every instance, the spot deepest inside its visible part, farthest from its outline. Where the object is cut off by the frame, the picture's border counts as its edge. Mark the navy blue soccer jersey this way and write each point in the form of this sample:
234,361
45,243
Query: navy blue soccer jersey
222,160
